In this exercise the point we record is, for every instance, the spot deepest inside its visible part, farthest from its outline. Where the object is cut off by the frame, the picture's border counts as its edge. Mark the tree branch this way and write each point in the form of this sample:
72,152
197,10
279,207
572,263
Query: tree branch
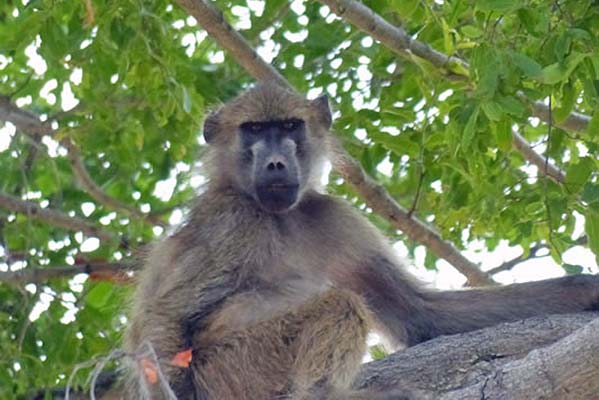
53,217
575,122
90,186
508,265
498,362
43,274
399,41
213,21
544,167
551,358
382,203
22,119
393,37
30,123
374,195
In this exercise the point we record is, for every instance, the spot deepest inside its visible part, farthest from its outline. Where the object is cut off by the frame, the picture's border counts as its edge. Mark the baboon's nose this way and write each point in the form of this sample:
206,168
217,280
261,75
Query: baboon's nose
275,165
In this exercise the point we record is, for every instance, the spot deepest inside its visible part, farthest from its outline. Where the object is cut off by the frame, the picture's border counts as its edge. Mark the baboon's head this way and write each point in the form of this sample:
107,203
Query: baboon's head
269,143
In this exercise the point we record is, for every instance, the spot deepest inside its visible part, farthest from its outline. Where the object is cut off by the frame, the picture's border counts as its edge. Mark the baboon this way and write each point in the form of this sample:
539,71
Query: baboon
275,285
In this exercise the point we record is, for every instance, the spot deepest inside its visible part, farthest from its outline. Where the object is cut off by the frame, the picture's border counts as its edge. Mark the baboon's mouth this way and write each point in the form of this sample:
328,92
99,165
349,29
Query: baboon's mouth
277,197
280,187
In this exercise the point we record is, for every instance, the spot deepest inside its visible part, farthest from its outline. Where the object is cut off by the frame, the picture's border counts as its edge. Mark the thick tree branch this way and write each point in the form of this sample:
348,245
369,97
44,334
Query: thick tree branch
575,122
53,217
399,41
553,357
213,21
43,274
393,37
374,195
543,166
22,119
30,123
382,203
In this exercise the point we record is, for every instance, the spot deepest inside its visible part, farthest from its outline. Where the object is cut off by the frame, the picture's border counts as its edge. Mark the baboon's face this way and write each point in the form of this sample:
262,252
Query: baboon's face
272,152
269,144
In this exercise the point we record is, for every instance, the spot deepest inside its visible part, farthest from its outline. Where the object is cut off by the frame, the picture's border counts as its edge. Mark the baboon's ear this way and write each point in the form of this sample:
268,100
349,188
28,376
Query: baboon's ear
211,126
321,106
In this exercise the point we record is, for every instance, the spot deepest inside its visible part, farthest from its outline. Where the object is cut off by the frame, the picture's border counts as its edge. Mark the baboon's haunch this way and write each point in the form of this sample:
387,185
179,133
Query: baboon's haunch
275,285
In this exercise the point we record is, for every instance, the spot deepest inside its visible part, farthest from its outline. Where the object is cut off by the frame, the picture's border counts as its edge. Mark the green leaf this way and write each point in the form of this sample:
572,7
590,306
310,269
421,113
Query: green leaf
470,128
562,46
559,72
186,101
405,8
591,227
100,295
527,65
397,144
590,194
510,105
471,31
578,174
551,74
499,6
377,352
503,134
569,95
492,110
572,269
447,37
593,128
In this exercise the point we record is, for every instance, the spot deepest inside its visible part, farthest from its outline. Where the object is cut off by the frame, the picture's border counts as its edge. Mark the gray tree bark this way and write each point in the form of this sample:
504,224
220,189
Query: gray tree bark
554,357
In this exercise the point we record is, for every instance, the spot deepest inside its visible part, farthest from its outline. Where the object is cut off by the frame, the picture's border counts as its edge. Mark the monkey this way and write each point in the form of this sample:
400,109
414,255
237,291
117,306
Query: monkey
274,284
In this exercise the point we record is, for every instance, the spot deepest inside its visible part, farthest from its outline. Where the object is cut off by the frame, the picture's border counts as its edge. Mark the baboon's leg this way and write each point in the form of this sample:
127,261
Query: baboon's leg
329,349
331,342
317,347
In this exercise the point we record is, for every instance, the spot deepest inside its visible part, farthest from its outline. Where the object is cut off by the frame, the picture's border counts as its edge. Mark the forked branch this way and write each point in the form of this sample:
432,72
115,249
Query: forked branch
400,42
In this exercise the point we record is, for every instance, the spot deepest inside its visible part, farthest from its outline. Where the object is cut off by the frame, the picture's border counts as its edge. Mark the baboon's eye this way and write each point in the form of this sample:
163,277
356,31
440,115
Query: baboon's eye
252,127
291,124
255,127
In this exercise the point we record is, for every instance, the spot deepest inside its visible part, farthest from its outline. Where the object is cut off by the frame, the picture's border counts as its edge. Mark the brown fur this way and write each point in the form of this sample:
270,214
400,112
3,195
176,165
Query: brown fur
277,305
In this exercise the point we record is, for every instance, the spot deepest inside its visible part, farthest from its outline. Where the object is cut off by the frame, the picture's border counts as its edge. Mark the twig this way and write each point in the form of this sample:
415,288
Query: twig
116,353
508,265
375,195
43,274
100,363
532,254
57,218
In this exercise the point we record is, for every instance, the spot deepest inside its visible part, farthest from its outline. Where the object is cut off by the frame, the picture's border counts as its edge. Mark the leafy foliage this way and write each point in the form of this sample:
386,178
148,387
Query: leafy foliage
144,75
